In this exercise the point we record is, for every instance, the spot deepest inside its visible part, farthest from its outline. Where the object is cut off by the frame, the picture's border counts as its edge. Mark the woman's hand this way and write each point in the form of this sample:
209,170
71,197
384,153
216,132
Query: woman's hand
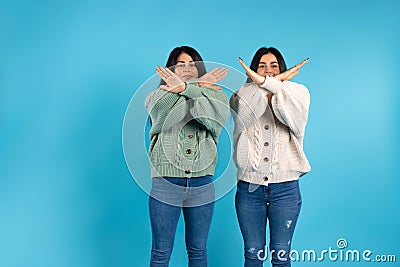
212,77
174,83
257,78
293,71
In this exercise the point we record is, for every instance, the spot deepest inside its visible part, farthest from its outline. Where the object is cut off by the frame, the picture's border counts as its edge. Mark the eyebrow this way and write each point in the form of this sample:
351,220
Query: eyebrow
180,61
261,62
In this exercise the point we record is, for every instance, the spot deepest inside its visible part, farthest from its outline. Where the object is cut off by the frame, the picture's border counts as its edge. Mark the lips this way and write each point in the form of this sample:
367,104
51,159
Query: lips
187,76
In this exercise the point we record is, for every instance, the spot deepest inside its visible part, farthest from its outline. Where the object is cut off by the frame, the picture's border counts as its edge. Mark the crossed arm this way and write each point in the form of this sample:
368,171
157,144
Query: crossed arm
209,104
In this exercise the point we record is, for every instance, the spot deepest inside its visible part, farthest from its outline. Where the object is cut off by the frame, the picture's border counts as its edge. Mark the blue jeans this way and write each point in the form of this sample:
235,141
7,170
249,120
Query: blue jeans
195,197
279,204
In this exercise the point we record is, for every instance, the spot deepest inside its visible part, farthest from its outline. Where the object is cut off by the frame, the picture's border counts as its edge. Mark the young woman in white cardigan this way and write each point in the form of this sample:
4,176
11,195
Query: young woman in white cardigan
270,114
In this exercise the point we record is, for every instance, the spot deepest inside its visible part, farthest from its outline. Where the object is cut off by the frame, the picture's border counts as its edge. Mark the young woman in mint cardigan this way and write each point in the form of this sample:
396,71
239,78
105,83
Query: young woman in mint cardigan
270,114
187,113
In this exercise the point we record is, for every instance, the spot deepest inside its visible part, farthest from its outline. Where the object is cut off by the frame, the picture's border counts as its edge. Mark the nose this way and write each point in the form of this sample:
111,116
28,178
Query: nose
268,70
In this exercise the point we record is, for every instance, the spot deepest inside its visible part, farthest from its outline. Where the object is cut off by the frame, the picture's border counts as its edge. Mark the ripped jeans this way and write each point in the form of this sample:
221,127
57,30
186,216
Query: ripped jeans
279,204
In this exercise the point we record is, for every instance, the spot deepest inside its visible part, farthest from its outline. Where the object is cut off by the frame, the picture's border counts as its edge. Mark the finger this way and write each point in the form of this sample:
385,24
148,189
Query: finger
162,75
301,64
216,74
169,72
220,71
295,67
158,69
214,71
166,73
249,72
162,70
243,64
172,74
211,75
164,87
221,74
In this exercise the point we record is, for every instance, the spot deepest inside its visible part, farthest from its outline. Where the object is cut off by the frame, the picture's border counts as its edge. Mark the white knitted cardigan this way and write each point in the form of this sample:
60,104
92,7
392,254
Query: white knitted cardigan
268,143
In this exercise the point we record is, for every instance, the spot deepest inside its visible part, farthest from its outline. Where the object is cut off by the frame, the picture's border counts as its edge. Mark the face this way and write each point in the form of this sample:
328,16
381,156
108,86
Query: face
268,65
186,68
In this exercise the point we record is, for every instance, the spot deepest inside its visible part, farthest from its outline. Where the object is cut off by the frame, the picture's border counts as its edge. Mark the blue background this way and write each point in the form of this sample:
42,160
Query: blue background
68,70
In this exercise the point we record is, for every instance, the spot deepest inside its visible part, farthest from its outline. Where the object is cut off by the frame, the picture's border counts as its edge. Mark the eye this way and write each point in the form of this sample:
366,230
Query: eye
275,66
261,67
179,66
192,64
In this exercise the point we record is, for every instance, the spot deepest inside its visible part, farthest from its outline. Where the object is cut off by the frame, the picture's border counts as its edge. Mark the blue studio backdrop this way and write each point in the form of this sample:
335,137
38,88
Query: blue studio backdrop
69,70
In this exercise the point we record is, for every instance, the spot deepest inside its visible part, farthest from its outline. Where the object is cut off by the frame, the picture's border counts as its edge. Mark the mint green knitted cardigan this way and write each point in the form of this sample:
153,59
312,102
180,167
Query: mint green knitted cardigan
185,130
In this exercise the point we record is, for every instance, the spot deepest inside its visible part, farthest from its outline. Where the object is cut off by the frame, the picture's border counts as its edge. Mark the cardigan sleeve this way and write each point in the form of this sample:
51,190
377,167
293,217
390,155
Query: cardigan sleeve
290,103
248,105
166,109
210,107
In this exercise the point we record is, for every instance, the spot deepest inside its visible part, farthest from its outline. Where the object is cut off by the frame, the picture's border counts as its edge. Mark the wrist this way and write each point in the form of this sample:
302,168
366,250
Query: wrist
183,87
259,80
180,88
202,84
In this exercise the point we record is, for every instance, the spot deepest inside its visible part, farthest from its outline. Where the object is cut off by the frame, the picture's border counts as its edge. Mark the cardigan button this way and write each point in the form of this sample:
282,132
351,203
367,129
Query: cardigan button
190,136
266,159
265,178
188,151
266,144
187,171
266,127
